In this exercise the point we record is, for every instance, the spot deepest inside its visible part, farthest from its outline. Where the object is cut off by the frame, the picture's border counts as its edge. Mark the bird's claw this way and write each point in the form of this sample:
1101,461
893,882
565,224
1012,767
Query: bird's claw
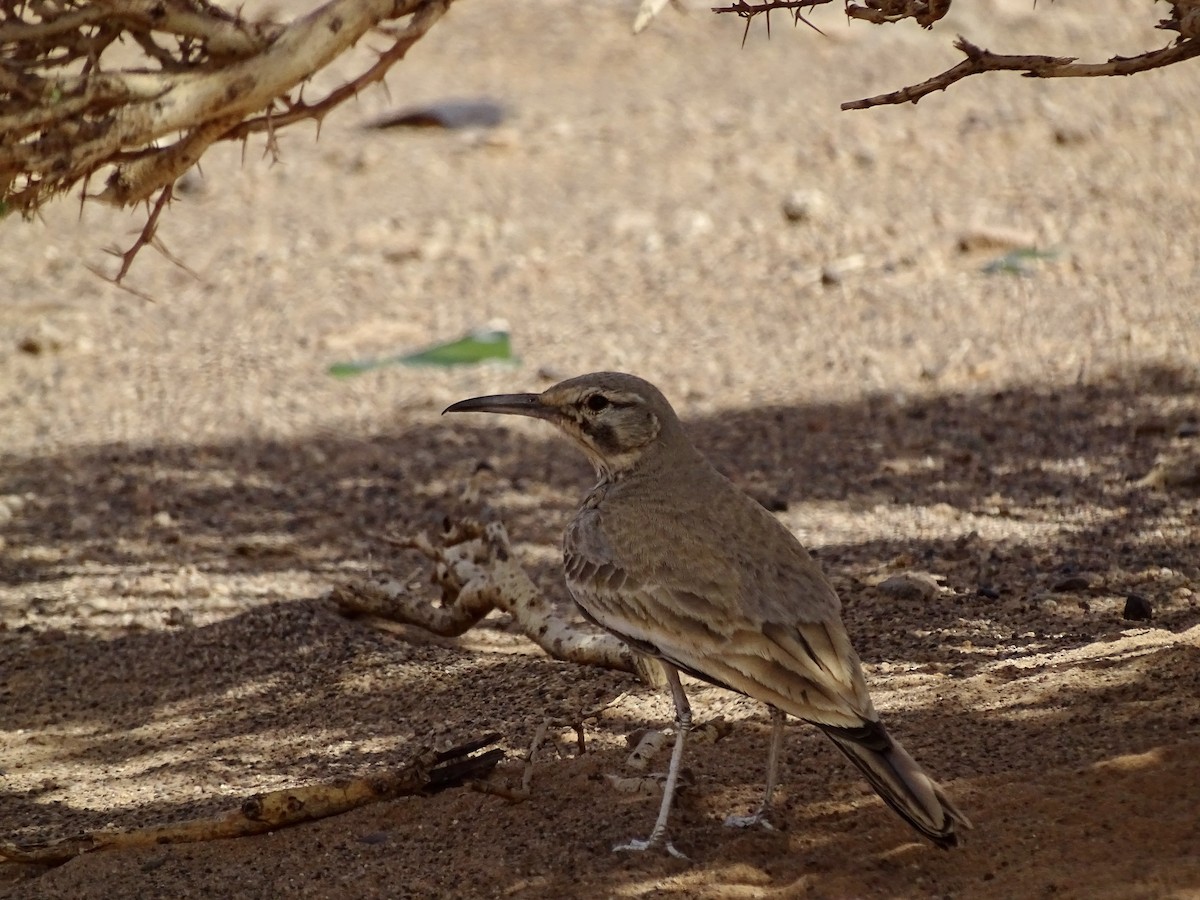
637,846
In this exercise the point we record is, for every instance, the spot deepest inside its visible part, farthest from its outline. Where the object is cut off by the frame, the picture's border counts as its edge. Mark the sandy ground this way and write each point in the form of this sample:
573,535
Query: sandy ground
182,479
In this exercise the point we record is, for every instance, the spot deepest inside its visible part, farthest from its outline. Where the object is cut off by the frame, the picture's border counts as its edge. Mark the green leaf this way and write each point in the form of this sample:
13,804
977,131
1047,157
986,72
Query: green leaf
474,347
1022,261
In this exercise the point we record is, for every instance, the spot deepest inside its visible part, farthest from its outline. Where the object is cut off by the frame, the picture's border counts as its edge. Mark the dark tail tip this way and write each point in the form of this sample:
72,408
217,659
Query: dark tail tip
900,782
945,841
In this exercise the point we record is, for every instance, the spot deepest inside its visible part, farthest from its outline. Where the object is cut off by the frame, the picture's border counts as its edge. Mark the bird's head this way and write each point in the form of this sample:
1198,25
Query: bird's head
619,420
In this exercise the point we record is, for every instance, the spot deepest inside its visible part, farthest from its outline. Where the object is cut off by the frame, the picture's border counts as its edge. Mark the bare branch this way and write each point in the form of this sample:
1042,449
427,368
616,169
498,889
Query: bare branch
425,772
1184,19
404,39
882,12
145,237
745,10
132,183
979,60
67,111
478,572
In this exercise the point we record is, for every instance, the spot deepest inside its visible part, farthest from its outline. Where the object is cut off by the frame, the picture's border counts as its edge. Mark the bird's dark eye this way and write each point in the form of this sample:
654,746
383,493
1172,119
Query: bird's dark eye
597,402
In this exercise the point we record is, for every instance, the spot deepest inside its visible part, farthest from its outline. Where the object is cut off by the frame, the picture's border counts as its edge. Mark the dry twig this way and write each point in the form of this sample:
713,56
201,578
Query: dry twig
426,772
979,60
1184,20
477,571
576,723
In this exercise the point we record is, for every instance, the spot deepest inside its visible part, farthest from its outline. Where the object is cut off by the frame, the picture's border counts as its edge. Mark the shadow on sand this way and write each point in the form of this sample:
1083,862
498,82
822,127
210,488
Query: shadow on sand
243,691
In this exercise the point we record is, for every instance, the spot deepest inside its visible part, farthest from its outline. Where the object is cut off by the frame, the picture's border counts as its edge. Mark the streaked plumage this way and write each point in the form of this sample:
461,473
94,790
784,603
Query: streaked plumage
671,557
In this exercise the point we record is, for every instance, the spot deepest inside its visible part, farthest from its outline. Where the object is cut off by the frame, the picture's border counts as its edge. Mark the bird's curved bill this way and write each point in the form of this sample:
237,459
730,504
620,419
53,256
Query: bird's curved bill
509,404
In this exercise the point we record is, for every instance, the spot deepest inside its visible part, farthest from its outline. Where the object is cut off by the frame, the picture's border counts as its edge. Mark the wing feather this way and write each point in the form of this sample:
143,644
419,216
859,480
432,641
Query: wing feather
805,667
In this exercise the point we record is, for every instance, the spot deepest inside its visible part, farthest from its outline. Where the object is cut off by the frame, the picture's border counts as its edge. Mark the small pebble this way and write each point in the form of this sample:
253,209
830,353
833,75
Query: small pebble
1137,609
804,205
1068,134
178,618
190,182
865,156
910,586
37,344
993,238
837,271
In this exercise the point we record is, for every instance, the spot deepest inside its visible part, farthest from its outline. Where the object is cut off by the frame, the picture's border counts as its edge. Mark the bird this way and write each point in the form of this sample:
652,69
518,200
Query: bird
683,566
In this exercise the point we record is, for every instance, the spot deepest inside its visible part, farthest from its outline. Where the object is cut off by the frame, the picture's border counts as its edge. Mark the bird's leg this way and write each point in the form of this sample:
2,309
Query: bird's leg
683,723
761,816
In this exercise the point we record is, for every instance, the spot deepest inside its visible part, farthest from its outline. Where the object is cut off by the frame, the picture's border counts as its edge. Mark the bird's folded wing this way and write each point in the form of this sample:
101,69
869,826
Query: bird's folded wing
806,669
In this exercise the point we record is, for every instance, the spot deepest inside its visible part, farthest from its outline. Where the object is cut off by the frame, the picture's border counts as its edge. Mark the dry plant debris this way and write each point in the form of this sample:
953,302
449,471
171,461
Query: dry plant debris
427,772
477,572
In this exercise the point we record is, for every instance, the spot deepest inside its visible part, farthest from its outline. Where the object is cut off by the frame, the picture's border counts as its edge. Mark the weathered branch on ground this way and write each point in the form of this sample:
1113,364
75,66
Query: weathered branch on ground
477,571
426,772
1184,20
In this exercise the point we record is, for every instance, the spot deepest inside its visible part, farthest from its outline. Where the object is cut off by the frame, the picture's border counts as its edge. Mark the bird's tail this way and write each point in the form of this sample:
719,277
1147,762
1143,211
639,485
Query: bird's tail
901,783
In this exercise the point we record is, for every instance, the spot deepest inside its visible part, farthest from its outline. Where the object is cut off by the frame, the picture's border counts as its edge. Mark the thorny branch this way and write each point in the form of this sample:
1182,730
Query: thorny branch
136,91
980,60
1184,20
147,236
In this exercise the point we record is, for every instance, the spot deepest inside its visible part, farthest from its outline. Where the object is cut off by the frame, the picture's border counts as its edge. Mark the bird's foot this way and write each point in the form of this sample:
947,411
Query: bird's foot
637,846
760,819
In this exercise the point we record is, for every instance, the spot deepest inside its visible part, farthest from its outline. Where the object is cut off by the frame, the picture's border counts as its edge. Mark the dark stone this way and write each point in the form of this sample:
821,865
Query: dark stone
473,112
1137,609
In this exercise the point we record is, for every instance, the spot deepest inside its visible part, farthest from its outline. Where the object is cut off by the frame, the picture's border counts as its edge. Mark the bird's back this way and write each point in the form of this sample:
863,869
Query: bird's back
693,571
685,566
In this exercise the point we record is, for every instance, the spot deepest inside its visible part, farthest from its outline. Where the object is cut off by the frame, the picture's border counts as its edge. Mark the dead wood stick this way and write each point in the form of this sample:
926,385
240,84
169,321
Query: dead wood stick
1184,19
426,772
477,571
979,60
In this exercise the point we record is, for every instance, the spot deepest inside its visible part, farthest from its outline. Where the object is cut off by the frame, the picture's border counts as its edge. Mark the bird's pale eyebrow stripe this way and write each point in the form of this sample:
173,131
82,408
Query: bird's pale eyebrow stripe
612,401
